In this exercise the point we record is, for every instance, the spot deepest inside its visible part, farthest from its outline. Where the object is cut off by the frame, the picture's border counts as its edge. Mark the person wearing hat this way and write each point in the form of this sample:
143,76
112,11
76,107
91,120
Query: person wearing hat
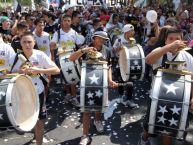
5,28
127,40
99,38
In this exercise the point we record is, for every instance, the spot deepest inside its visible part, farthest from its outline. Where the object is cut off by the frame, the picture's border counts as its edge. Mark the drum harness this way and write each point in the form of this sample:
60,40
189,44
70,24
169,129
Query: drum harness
43,78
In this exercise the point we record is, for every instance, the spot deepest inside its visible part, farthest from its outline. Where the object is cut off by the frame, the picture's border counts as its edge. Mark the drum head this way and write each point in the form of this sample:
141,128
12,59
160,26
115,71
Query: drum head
123,63
24,109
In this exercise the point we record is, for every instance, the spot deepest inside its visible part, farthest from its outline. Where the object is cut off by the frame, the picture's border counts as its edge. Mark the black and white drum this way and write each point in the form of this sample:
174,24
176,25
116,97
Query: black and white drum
70,69
19,103
94,87
132,63
170,96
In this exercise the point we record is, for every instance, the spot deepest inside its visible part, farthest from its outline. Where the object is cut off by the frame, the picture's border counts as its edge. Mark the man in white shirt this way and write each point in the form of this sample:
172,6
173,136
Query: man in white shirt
40,64
66,38
42,38
6,56
173,51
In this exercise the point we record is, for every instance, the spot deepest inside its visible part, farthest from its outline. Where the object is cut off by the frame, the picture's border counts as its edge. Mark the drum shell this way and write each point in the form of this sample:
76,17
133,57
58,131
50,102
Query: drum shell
14,108
132,63
97,89
70,69
172,92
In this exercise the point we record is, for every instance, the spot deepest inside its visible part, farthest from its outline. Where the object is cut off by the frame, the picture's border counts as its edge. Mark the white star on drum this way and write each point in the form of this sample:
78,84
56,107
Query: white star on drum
162,109
94,79
175,110
162,119
91,102
173,122
1,116
171,88
134,53
135,62
90,95
2,94
98,93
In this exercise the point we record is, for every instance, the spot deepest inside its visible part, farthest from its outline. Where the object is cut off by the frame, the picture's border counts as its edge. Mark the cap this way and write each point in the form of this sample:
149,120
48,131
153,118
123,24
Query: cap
128,27
101,34
4,18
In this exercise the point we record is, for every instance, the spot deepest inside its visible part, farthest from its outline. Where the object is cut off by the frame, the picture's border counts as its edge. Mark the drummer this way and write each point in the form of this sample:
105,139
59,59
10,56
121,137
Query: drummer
99,38
172,52
67,38
127,40
6,55
40,64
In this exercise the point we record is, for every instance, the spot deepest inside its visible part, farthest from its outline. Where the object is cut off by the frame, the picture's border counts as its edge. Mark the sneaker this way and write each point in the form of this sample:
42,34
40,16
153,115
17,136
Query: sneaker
67,97
75,102
84,140
131,104
99,126
142,142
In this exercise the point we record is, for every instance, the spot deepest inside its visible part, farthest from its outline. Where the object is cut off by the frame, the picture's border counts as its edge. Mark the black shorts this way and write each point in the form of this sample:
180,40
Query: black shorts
43,112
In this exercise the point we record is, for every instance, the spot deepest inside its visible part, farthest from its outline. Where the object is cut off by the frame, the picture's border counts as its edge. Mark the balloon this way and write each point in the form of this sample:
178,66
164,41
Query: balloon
151,16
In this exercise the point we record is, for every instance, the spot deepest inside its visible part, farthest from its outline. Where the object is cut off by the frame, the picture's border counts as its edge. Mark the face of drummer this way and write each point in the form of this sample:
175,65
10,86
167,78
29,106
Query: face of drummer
66,23
99,41
129,34
173,37
27,43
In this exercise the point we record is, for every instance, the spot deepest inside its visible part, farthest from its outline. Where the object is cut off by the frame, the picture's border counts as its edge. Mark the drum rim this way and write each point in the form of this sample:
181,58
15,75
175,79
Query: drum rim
8,101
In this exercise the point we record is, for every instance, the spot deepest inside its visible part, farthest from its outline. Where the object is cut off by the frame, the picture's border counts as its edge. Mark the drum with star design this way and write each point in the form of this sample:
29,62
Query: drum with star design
94,87
19,103
70,69
132,63
170,97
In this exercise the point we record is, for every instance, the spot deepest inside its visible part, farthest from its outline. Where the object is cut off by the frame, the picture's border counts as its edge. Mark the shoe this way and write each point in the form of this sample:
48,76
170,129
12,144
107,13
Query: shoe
131,104
99,126
67,97
142,142
75,102
84,140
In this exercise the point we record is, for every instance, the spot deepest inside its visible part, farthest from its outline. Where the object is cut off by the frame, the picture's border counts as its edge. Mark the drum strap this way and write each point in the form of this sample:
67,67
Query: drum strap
42,77
163,64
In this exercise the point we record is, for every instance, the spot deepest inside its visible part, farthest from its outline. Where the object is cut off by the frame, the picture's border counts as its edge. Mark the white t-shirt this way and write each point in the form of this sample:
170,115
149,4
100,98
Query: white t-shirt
68,39
121,41
40,60
182,56
6,56
43,42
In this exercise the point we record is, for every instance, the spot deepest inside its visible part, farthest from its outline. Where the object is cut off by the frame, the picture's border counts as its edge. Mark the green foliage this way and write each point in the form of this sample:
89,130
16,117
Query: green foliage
25,2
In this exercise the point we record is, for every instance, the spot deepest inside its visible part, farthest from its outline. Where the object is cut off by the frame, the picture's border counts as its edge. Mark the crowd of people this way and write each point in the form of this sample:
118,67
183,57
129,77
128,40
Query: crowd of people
42,35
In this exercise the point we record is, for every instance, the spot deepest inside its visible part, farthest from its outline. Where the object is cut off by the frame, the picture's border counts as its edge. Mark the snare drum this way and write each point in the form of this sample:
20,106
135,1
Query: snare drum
70,69
19,103
170,96
132,63
94,87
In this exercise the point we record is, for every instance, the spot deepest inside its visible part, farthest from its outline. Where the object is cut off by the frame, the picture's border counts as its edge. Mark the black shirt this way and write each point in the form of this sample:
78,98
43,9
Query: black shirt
6,35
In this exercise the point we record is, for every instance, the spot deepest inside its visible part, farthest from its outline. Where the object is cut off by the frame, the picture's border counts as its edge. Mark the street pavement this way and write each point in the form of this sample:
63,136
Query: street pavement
63,126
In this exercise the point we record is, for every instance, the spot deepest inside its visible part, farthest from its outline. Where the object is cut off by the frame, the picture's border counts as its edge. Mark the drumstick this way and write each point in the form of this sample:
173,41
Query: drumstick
125,84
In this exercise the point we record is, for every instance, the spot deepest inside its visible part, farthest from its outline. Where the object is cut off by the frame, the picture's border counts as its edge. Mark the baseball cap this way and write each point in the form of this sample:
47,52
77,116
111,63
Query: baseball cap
101,34
128,27
4,18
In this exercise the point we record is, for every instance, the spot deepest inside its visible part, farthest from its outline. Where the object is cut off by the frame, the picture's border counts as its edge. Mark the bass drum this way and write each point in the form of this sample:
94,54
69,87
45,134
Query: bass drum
170,97
19,103
132,63
94,87
70,69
